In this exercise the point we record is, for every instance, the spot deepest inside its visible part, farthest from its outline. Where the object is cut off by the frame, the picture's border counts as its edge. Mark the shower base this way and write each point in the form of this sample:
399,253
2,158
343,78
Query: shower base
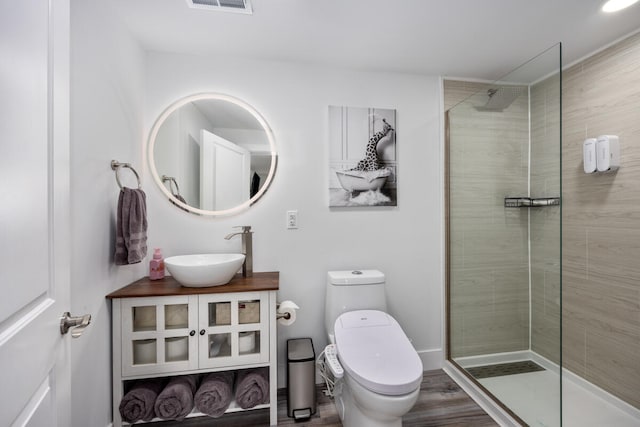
535,395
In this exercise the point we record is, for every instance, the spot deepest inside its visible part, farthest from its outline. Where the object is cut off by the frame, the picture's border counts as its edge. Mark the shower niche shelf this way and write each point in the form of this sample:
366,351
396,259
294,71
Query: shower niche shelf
528,202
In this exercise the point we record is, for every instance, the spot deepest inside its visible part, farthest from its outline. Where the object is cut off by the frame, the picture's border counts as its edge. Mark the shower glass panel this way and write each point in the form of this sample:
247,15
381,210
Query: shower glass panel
504,248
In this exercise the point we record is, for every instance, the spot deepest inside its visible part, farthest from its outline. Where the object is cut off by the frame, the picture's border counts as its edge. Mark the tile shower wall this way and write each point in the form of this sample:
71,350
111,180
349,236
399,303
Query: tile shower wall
601,223
600,252
489,248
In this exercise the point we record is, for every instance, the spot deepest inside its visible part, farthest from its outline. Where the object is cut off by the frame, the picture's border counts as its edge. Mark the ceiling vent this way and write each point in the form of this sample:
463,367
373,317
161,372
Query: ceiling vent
236,6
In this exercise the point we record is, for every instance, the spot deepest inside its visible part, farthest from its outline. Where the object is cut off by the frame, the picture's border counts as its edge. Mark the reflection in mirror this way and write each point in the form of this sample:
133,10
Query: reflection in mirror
212,154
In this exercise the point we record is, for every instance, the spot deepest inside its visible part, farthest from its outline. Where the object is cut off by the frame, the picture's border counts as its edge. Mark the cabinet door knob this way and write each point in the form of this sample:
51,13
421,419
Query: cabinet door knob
202,331
192,333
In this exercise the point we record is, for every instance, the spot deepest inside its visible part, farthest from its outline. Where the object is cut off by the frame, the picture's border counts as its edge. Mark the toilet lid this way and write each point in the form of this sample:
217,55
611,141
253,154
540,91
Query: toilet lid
374,350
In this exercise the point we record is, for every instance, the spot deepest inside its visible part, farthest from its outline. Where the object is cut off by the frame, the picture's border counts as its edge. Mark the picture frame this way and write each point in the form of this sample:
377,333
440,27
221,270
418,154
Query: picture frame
362,157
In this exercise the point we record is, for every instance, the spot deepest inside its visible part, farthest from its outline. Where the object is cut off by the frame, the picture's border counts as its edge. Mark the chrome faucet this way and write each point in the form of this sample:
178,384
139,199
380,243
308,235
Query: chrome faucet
247,248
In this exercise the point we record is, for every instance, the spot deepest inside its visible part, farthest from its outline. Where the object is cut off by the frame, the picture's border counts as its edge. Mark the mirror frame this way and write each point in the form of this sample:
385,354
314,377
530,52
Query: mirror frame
220,97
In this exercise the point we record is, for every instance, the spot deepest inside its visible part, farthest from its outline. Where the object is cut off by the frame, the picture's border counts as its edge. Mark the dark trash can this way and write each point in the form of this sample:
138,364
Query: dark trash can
301,378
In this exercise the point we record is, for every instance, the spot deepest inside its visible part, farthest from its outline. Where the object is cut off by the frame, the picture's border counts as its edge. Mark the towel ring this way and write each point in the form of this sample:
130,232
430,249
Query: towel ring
116,165
172,182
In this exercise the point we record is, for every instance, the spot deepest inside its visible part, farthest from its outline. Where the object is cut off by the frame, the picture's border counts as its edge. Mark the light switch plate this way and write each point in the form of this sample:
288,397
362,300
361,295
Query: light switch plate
292,219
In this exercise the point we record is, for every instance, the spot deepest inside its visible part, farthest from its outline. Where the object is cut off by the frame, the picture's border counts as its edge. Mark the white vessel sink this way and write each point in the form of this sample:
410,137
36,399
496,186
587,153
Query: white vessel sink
201,270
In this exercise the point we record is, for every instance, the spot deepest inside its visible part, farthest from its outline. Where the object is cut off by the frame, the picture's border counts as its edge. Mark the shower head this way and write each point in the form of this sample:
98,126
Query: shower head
501,97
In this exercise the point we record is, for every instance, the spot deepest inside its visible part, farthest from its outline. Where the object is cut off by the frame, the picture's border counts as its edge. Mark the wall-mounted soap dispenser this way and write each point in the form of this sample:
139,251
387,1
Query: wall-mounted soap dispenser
607,153
589,155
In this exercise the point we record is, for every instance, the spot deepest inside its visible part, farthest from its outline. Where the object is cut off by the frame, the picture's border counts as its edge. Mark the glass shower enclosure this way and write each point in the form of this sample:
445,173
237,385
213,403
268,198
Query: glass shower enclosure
503,149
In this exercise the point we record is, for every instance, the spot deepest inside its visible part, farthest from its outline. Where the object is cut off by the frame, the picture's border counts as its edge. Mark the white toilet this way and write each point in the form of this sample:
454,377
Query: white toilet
382,370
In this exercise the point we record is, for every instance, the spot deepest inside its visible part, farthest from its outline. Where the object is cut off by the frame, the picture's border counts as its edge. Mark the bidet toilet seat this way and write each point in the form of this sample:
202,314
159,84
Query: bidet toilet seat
374,350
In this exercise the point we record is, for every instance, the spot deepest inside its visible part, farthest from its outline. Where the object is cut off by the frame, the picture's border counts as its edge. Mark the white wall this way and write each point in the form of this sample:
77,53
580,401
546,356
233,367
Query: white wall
114,105
106,123
404,241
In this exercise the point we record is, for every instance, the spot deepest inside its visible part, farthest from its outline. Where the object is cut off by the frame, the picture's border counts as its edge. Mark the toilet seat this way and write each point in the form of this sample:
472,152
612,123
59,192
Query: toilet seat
374,350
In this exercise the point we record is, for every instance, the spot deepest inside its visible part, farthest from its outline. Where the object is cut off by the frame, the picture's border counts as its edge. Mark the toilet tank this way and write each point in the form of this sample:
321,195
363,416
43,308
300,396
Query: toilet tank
353,290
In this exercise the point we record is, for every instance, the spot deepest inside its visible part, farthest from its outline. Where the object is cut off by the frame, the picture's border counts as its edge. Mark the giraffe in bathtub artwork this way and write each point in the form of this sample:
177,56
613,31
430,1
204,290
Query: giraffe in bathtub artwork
371,161
362,157
357,178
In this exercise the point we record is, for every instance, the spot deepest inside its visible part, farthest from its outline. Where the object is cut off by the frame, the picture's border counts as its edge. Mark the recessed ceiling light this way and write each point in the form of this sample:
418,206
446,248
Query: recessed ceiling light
616,5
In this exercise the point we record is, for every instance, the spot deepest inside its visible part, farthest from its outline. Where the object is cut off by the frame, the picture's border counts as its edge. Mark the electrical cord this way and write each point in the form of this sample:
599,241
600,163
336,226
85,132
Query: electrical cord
326,375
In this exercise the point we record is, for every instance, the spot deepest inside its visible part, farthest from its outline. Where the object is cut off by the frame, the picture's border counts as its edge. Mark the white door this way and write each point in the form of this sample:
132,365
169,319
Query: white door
34,212
224,173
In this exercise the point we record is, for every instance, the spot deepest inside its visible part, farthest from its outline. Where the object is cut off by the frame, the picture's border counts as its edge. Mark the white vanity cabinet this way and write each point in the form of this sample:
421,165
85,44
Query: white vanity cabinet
162,329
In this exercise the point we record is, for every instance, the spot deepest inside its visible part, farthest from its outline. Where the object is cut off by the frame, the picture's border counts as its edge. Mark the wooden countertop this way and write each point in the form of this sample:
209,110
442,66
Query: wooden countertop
268,281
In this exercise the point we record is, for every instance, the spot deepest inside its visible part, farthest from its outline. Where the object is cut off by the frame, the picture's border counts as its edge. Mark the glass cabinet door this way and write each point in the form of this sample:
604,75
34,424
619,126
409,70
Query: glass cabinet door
234,329
159,334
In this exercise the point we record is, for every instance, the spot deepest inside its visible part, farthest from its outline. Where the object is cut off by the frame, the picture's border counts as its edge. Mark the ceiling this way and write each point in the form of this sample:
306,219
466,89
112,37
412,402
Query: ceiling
481,39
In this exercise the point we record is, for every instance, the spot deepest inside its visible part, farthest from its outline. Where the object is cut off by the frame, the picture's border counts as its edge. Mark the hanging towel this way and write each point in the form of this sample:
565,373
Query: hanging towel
131,227
215,393
138,403
252,387
175,402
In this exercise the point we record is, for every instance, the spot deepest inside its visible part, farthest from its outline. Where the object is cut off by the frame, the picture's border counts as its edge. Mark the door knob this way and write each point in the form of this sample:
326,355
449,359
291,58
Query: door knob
78,323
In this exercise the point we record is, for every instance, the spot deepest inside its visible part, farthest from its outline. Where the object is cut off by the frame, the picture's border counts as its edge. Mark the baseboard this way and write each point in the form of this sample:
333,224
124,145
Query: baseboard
431,359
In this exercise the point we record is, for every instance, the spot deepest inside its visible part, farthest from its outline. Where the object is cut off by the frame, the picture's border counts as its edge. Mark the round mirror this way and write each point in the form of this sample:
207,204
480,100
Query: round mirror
212,154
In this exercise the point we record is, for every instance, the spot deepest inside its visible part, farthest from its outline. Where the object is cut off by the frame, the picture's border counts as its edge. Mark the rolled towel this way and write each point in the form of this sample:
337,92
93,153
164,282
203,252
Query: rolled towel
137,403
175,402
215,393
252,387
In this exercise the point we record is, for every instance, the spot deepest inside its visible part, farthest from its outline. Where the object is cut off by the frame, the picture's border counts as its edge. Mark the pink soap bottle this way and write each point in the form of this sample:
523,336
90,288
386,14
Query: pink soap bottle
156,265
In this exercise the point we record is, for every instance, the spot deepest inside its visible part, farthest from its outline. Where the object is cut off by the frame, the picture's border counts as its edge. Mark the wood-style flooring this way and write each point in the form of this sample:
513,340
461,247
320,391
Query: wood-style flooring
441,403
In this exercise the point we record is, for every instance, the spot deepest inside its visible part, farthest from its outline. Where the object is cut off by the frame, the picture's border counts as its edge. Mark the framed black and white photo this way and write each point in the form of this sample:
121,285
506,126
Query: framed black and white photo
362,157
